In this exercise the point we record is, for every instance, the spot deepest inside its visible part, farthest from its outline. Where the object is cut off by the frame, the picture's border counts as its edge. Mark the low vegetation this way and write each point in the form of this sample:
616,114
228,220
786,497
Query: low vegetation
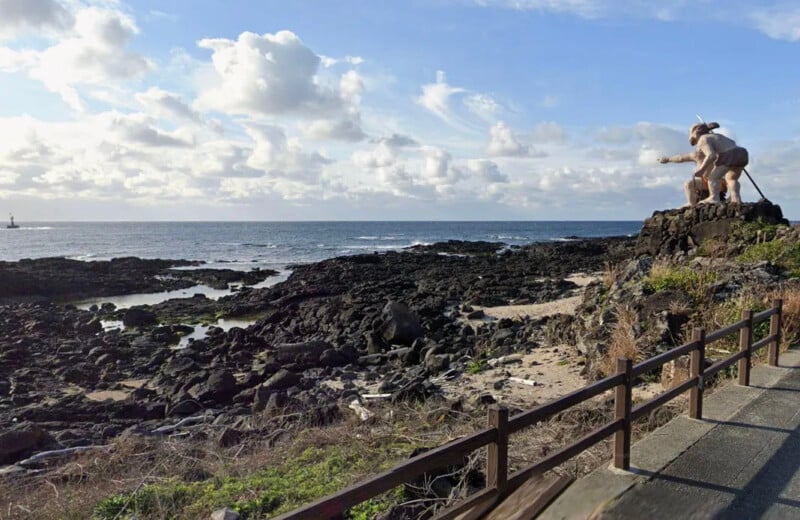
623,341
665,276
783,254
187,479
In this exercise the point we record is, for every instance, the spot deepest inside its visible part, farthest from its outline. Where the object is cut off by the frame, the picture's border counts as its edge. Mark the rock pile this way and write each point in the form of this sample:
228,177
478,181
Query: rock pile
679,230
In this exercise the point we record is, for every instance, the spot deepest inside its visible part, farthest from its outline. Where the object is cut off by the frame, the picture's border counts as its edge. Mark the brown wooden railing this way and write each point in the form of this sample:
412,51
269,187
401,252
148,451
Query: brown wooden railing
500,484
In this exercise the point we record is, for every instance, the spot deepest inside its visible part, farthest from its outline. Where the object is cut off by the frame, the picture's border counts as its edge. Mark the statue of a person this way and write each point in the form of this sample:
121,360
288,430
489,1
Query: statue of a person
716,156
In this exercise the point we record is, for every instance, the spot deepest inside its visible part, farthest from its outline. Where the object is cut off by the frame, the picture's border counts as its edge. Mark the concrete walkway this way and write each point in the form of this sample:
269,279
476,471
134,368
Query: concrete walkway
741,461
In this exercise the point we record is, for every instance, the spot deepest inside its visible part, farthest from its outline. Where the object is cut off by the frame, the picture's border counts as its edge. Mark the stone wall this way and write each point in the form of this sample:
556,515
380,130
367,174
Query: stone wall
678,230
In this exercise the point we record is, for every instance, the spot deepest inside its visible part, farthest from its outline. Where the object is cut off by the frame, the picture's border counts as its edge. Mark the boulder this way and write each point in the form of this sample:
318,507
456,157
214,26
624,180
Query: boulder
304,353
281,380
138,317
220,387
400,325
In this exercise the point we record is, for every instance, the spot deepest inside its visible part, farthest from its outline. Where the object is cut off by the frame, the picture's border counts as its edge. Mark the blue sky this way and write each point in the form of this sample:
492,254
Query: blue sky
442,109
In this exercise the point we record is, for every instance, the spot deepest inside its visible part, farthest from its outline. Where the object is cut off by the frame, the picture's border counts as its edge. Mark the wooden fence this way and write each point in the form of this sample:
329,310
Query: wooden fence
500,484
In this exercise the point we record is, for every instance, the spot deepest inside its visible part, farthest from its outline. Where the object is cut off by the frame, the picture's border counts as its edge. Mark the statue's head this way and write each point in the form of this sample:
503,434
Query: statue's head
699,129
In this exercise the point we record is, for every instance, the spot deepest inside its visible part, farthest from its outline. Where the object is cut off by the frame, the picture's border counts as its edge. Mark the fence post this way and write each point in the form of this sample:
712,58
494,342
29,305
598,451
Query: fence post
745,344
775,329
696,369
622,410
497,452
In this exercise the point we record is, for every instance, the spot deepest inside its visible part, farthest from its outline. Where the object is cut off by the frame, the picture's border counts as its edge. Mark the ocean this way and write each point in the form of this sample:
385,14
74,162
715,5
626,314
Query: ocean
245,245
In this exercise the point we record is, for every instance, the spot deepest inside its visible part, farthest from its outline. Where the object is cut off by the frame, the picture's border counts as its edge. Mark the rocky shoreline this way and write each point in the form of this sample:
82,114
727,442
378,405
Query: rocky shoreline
391,322
458,322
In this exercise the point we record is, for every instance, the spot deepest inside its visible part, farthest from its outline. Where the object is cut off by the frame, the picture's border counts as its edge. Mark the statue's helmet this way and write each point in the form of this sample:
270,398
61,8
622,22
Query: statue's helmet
699,129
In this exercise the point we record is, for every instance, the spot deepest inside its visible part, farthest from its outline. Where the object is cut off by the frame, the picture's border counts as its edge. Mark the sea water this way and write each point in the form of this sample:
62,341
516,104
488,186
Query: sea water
245,245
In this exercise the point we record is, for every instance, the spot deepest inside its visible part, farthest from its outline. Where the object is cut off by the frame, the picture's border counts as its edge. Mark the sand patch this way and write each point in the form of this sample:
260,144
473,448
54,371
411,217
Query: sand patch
133,383
105,395
540,310
531,379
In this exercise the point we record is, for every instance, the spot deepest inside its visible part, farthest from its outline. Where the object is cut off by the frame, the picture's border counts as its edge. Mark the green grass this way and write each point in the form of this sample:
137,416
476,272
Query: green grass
749,231
316,472
778,252
475,366
679,278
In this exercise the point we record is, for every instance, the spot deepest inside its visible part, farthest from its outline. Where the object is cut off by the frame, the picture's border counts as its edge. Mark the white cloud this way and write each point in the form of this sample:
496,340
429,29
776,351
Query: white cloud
399,141
167,104
381,156
280,156
348,129
19,16
781,23
271,74
549,132
436,98
503,142
436,166
483,106
93,52
487,171
140,129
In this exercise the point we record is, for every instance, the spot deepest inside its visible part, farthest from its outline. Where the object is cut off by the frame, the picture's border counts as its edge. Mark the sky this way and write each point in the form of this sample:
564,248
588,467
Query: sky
390,110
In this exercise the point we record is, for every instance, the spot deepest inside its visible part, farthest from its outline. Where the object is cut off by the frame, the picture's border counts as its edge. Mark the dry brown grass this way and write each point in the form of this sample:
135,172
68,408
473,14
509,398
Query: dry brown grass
610,274
72,491
790,329
622,341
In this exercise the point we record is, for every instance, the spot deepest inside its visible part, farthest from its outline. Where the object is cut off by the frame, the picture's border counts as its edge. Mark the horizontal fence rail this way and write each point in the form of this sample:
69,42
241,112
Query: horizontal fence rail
496,437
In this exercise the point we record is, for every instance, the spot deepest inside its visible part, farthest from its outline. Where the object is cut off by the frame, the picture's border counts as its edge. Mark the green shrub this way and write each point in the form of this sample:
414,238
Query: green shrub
750,231
778,252
475,366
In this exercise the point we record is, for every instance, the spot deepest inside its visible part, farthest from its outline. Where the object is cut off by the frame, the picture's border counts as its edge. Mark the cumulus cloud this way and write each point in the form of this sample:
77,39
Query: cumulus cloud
398,141
381,156
348,129
116,156
19,16
271,74
93,52
503,142
139,129
167,104
487,171
280,156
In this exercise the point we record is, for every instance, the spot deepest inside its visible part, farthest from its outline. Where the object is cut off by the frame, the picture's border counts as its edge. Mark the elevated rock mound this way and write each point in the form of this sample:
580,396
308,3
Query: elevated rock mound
679,230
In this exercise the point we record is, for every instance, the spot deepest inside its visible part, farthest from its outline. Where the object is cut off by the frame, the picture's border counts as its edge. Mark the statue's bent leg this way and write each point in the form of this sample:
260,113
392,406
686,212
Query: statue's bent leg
714,185
691,188
732,179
